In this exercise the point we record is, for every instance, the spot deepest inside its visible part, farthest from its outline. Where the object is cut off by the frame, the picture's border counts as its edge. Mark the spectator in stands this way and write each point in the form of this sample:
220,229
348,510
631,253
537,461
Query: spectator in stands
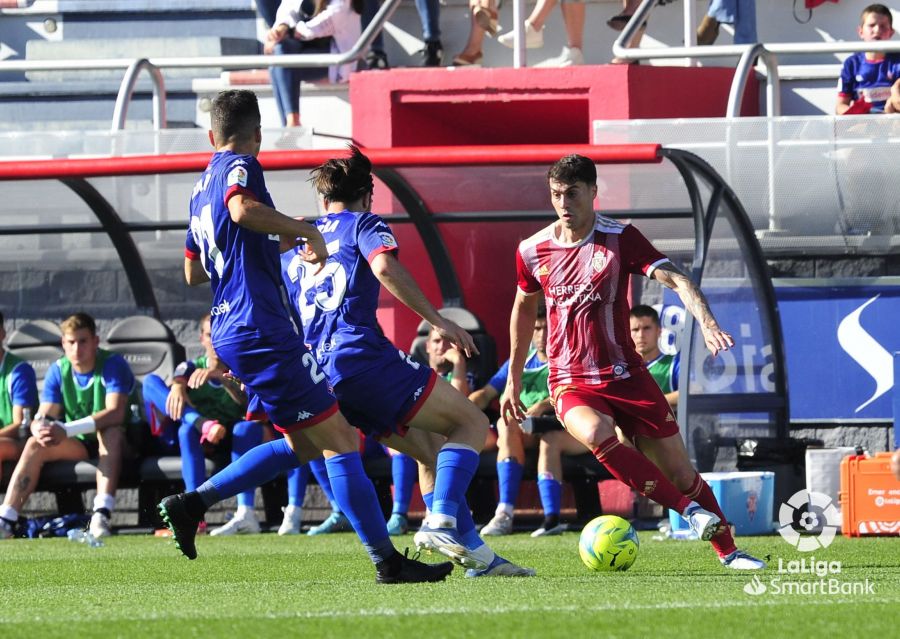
376,58
645,333
484,21
870,80
741,14
512,442
18,396
89,389
196,413
573,13
618,22
430,15
332,26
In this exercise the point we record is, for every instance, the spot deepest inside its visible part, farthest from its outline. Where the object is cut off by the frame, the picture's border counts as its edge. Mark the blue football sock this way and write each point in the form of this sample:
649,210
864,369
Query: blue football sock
255,467
317,466
357,499
405,473
193,464
465,526
296,485
245,436
551,494
456,464
509,478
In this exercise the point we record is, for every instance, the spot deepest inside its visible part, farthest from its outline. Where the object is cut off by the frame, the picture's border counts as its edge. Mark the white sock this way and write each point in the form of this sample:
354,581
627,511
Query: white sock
244,511
503,507
104,501
8,512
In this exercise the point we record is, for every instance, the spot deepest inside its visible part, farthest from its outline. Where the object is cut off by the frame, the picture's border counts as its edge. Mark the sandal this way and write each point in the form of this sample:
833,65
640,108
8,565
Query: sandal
486,18
463,60
617,23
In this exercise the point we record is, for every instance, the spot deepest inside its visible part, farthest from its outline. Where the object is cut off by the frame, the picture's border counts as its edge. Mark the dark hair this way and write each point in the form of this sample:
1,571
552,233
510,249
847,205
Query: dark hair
573,168
541,311
878,9
235,116
344,179
78,321
642,310
1,319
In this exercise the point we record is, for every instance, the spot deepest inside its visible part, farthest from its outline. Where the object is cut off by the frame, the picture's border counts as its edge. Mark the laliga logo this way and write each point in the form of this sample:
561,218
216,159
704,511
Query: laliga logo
804,513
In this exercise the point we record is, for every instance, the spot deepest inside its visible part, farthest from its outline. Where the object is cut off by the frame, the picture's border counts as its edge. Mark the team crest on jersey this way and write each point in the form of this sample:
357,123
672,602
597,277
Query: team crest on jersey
388,240
237,175
598,262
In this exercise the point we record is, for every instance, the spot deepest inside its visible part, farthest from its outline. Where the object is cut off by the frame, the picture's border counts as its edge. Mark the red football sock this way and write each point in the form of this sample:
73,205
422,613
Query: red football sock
701,493
632,468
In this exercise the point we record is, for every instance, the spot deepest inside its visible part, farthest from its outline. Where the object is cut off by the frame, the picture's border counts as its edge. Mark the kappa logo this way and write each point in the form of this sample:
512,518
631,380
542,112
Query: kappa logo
303,415
598,263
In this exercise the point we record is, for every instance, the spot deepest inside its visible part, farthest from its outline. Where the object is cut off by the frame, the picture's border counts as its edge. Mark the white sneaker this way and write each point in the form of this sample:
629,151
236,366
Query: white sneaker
702,522
99,526
569,57
534,39
243,523
290,525
501,524
739,560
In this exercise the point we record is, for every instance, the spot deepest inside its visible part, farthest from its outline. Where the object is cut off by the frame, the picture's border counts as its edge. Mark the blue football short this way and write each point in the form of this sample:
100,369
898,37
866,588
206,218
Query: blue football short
384,401
288,382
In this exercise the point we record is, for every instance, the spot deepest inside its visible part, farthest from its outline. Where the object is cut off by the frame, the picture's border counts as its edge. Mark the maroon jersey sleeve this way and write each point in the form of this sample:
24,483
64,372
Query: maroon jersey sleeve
638,254
526,280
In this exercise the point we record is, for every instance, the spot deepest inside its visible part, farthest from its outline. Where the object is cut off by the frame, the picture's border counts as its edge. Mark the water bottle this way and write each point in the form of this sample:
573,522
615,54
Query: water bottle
25,426
84,537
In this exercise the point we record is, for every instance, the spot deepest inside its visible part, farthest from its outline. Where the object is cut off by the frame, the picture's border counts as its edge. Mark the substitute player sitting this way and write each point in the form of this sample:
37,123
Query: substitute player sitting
582,263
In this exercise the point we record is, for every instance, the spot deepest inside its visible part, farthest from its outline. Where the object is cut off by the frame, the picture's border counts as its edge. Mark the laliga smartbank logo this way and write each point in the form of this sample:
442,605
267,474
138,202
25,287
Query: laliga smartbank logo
808,521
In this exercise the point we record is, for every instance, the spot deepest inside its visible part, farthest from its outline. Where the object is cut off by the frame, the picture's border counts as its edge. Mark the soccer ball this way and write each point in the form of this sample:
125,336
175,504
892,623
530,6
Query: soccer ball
608,543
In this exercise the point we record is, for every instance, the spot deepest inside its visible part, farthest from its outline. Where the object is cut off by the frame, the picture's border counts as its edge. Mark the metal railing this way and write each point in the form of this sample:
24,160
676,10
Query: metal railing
231,62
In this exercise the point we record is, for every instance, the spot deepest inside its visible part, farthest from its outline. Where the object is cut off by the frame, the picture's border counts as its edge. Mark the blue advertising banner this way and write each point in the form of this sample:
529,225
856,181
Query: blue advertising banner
840,337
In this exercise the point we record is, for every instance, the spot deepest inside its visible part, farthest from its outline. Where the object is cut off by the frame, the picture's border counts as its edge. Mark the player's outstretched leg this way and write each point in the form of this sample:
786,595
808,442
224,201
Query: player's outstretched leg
496,566
183,512
182,518
357,499
704,514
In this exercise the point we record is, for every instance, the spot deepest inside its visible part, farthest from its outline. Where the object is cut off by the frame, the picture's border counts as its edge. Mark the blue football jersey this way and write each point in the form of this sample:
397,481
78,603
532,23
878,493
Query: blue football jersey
336,306
243,265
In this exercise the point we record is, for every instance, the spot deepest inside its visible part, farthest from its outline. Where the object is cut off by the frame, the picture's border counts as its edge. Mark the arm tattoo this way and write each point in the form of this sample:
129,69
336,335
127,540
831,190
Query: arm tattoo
693,298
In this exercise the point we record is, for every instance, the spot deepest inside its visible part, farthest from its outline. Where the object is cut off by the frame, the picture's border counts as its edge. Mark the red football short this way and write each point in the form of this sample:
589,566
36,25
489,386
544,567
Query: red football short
636,404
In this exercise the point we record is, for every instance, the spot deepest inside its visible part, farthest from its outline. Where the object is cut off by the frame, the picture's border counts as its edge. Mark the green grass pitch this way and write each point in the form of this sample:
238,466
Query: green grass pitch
269,586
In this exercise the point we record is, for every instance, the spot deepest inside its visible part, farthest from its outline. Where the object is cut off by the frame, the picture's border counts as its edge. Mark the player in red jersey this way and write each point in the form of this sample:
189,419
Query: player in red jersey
582,263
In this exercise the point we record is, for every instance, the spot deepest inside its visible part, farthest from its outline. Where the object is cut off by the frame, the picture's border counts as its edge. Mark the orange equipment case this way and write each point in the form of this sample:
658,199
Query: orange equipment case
870,496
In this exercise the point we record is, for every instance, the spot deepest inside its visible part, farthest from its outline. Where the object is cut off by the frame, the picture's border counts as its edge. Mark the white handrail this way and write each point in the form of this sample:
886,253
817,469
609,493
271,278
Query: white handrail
298,60
126,89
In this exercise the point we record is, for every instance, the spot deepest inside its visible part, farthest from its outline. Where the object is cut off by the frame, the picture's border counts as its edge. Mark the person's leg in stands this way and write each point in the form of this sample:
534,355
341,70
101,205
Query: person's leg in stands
27,472
245,435
511,444
553,445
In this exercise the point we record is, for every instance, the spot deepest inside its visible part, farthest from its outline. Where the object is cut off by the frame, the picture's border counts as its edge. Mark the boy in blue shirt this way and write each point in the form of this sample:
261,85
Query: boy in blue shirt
869,79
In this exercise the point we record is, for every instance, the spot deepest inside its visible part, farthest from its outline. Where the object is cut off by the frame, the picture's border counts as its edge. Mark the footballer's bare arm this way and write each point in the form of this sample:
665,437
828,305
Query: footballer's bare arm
697,305
194,274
